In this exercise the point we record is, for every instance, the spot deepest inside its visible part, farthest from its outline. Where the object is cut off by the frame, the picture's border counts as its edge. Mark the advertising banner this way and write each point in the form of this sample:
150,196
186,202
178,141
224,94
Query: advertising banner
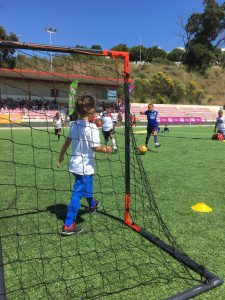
10,118
180,120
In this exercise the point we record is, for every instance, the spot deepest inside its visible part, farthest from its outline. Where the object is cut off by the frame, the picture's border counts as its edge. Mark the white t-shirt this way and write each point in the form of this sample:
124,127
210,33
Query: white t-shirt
107,121
85,136
114,118
220,121
57,123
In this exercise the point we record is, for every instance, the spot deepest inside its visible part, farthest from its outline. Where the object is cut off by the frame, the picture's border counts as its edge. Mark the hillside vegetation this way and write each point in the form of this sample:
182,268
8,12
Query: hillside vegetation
171,83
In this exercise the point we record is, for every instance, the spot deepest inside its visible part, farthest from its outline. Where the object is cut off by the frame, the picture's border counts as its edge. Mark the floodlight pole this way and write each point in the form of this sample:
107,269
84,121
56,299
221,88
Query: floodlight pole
50,30
139,37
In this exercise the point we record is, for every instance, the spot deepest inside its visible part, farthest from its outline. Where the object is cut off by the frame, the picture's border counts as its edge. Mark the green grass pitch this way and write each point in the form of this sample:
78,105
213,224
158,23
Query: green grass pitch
109,260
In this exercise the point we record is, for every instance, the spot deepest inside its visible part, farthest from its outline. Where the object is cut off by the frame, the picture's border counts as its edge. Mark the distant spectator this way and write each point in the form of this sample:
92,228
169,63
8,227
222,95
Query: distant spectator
119,118
134,120
220,123
58,124
108,127
114,118
166,129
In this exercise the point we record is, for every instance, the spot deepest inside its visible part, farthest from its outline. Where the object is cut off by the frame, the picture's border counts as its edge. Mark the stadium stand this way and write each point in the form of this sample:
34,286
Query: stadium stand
167,113
206,113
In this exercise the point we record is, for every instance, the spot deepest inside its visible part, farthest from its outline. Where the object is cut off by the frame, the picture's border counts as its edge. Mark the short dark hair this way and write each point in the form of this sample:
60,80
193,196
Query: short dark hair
107,105
84,104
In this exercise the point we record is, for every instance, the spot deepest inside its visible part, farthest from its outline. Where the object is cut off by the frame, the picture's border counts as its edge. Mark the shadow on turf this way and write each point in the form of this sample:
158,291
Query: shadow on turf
60,211
184,137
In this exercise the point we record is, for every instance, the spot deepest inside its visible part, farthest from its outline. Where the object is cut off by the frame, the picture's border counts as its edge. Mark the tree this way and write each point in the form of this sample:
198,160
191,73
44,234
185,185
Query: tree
142,88
179,93
204,34
154,52
80,46
120,47
96,47
162,87
176,55
136,52
201,57
222,59
194,95
7,60
209,26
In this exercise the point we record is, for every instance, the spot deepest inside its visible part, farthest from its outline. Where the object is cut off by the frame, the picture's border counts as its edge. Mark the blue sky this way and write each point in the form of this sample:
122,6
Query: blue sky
98,22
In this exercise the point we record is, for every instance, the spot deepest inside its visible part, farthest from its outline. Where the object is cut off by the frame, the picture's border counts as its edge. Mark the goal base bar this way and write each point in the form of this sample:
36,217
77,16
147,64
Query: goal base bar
211,280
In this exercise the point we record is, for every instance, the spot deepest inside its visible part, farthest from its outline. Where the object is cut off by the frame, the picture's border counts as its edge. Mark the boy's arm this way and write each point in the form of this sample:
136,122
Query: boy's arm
63,150
103,149
143,112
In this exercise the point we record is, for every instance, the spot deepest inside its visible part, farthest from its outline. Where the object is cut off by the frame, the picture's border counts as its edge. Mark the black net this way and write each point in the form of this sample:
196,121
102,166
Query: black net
108,258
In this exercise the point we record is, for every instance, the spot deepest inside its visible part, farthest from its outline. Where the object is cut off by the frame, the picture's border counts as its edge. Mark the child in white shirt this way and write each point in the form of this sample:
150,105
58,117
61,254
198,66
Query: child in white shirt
85,139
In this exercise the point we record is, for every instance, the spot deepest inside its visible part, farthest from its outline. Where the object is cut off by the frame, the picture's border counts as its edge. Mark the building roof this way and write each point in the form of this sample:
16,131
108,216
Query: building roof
57,77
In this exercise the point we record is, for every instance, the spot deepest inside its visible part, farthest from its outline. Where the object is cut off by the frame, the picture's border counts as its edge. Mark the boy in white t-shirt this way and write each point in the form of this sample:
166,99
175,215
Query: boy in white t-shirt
85,139
58,124
220,123
108,126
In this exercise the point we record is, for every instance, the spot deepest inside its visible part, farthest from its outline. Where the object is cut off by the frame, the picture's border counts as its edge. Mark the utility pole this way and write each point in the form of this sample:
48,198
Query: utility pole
50,30
139,38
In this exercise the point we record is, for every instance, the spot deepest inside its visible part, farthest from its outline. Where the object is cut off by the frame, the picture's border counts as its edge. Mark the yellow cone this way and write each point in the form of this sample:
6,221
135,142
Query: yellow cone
201,207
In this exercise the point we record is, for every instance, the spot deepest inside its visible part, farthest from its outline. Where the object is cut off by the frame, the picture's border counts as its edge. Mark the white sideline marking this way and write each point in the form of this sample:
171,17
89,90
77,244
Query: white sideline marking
186,133
25,127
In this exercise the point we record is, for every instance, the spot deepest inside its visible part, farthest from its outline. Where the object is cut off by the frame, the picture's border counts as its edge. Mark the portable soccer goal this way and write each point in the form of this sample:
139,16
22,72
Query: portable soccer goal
126,251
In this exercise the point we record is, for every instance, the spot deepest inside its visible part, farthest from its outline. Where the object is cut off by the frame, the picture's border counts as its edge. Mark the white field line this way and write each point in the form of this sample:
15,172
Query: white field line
182,132
25,128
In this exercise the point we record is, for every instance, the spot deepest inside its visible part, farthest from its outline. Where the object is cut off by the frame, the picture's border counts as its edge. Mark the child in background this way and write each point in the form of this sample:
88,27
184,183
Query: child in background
108,127
220,123
166,129
152,126
134,120
120,119
85,139
114,118
58,124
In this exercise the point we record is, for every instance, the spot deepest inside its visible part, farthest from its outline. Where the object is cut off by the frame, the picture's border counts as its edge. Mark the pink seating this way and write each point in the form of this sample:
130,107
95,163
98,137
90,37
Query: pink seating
207,113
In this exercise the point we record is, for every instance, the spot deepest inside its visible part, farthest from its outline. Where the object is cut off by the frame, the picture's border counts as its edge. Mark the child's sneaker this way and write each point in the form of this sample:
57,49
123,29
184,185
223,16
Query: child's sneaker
72,229
114,151
147,146
157,145
93,209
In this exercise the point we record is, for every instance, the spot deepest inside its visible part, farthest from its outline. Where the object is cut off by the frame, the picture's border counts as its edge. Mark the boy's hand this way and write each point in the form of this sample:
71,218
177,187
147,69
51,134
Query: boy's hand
109,149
